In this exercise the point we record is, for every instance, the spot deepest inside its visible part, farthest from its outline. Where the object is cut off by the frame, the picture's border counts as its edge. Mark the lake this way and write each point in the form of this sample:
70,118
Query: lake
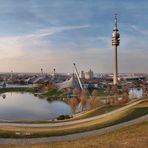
26,106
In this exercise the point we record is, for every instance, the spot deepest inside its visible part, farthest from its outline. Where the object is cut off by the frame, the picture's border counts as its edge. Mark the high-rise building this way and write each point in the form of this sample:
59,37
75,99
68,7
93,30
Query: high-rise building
89,74
115,44
82,75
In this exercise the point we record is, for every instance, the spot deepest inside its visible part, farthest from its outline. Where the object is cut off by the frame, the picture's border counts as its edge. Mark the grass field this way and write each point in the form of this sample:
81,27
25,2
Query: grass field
134,136
51,93
102,92
18,89
128,114
54,93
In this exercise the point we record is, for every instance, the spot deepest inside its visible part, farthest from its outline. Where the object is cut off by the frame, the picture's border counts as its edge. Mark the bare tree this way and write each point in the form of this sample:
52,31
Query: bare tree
85,93
125,97
115,91
111,100
94,93
124,89
95,100
83,98
124,94
76,92
50,86
73,103
108,89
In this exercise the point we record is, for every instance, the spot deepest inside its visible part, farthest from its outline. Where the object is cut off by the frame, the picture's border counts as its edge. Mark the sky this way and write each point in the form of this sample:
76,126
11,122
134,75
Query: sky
49,34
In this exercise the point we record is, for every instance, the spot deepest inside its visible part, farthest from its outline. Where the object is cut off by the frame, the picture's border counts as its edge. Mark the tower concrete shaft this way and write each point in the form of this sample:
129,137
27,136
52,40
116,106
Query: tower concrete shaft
115,79
115,44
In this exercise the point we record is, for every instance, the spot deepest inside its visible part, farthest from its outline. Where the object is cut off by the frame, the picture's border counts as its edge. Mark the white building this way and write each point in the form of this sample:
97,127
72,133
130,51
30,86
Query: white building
89,74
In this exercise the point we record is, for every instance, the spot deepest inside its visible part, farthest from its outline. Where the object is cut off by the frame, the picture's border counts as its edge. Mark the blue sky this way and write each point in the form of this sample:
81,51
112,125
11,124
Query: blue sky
55,33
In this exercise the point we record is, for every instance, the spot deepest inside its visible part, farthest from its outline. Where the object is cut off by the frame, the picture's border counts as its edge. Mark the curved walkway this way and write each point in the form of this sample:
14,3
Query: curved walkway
71,122
72,136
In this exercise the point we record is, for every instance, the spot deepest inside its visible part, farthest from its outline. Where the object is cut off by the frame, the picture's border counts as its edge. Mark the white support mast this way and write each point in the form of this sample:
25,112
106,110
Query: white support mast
77,74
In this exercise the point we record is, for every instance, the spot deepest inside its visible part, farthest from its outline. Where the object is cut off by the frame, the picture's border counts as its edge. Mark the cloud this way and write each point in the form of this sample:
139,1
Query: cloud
35,39
10,48
52,30
139,30
32,48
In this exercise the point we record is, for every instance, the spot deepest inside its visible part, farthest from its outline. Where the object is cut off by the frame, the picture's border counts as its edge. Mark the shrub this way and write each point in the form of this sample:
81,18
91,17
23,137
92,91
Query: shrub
63,117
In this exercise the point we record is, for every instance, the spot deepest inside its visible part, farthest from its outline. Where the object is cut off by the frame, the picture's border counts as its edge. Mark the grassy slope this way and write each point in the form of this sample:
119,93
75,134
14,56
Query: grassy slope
129,114
125,137
99,110
96,112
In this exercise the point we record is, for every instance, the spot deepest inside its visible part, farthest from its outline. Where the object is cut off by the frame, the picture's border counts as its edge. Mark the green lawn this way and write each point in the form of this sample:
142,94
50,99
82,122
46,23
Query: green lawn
54,93
18,89
50,93
102,92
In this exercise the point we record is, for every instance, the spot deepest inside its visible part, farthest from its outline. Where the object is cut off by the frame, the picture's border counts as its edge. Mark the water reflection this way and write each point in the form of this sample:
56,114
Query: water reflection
135,93
25,106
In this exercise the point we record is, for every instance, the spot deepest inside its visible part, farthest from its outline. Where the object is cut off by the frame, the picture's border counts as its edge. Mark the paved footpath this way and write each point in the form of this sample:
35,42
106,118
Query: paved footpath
72,122
72,136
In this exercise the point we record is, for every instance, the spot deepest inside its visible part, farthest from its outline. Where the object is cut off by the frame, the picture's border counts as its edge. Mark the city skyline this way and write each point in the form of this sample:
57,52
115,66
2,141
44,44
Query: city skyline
55,34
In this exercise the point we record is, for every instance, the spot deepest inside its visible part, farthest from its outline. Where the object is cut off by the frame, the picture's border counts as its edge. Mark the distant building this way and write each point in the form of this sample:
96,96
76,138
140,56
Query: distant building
89,74
82,75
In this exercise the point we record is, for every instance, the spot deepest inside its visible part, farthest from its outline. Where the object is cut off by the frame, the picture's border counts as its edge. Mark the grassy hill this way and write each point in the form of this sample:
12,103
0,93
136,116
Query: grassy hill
134,136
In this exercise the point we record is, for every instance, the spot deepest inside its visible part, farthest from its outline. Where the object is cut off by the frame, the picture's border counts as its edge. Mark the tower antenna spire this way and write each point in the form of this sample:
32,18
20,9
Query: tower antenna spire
115,23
